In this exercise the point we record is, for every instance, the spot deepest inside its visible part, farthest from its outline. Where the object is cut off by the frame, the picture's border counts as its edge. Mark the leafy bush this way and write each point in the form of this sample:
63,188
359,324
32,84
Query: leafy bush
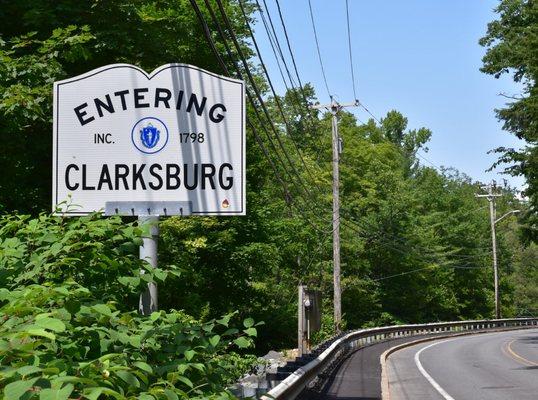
68,288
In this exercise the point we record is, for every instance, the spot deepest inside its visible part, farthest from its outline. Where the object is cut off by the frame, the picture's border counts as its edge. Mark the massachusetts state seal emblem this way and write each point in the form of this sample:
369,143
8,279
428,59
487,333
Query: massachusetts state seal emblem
149,135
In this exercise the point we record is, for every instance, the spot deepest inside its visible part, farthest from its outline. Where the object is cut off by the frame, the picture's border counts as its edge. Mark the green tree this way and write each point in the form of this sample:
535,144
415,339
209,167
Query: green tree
43,41
511,43
409,143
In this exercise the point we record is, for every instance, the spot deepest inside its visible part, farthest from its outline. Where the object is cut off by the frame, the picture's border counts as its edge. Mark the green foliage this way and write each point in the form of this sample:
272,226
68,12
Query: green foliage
67,293
511,43
417,251
415,241
28,62
327,330
394,126
28,67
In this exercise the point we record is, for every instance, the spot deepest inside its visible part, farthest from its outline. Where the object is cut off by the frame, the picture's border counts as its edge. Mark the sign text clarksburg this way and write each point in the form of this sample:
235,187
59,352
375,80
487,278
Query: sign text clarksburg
176,134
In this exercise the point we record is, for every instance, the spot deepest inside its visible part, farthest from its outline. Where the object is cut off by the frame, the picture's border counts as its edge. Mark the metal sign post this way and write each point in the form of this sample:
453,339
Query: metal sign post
148,251
149,213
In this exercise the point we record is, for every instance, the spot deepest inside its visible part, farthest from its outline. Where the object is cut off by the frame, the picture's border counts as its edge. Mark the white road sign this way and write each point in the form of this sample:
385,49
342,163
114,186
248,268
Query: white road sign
123,135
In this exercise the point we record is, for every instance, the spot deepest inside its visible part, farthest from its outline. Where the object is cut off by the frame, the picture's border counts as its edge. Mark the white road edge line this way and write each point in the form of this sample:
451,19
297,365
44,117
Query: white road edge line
432,381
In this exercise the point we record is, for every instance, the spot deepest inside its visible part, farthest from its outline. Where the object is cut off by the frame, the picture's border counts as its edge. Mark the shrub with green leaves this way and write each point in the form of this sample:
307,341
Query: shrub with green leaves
68,329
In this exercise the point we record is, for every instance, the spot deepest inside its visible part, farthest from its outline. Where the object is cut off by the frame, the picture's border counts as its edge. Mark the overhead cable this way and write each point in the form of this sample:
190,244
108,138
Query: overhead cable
319,51
208,36
349,48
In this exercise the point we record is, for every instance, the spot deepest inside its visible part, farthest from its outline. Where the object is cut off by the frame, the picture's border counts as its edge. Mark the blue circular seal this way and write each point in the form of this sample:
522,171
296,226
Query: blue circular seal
149,135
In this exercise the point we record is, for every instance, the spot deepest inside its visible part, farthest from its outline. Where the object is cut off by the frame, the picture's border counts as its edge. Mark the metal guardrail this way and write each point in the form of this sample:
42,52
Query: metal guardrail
294,384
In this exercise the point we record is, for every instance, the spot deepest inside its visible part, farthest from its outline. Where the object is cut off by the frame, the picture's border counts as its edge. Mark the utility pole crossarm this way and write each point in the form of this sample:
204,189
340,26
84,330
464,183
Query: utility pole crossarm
334,104
319,106
356,103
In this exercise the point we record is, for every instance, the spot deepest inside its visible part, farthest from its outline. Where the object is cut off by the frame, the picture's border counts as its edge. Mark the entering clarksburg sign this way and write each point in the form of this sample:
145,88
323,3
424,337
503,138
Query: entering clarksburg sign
175,135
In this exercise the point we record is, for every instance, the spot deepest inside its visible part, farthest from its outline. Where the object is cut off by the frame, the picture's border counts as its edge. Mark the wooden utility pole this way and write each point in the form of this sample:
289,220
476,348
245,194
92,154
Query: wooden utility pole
492,216
334,108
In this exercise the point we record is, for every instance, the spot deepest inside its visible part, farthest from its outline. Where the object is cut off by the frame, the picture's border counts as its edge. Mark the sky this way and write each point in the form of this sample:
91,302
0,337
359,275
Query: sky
420,57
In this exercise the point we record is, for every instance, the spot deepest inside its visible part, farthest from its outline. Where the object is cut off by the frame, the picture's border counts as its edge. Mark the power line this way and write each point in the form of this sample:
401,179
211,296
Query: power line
321,243
257,92
239,75
277,100
421,269
426,257
304,112
289,44
286,191
301,87
438,168
258,95
275,96
399,240
273,46
353,81
319,52
350,52
368,111
404,248
253,83
225,69
277,42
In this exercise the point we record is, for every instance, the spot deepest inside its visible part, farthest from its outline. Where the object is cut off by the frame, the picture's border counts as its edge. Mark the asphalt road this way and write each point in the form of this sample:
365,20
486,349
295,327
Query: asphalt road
359,376
490,366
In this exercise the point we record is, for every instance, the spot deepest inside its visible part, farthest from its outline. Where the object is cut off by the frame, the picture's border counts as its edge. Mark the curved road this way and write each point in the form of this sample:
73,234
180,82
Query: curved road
492,366
359,375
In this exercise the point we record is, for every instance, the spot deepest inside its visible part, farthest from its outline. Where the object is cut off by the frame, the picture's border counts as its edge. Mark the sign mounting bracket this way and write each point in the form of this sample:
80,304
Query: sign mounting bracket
148,208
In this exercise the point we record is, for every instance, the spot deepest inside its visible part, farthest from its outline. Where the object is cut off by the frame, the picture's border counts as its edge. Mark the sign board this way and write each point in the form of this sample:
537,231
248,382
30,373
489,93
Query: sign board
122,135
